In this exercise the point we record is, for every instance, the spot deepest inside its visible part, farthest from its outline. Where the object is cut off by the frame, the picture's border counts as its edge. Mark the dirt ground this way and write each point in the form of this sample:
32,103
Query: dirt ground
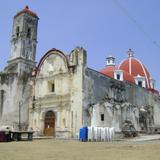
52,149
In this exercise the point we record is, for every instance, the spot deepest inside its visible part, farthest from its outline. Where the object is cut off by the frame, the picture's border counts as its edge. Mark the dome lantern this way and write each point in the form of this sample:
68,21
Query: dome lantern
130,53
110,61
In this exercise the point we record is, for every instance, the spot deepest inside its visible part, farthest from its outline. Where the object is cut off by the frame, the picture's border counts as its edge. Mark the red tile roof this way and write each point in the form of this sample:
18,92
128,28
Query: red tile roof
27,10
109,72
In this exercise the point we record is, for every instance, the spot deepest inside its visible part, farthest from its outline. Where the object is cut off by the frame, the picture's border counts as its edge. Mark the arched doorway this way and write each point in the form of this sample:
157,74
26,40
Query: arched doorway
49,124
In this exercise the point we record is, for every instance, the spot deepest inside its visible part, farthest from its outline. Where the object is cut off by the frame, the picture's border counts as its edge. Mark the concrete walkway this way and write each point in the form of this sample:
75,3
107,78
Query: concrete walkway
143,138
140,138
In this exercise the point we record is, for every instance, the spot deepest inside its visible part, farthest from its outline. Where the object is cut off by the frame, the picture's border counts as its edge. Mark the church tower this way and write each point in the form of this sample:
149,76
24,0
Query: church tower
15,89
23,41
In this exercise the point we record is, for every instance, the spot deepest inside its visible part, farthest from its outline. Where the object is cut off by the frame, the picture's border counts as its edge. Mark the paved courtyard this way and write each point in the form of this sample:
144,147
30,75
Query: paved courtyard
52,149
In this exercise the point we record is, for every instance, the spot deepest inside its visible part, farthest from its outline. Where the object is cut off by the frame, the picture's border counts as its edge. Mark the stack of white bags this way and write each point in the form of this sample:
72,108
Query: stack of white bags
100,134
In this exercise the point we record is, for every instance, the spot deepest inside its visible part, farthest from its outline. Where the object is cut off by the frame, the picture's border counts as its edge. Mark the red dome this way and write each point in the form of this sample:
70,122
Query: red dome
128,77
132,70
135,68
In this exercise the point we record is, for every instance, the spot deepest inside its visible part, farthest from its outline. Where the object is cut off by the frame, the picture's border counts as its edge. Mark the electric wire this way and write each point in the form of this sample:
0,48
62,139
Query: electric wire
125,11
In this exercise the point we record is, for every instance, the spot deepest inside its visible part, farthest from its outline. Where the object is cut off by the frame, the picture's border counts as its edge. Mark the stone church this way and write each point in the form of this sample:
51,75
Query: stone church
61,94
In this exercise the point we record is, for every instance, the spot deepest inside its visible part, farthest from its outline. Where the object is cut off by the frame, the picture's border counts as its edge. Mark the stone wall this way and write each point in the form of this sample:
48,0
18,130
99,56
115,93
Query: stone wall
15,94
99,89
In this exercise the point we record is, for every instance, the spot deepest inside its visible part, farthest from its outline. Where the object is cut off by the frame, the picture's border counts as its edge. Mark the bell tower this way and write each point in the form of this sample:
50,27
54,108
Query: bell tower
23,41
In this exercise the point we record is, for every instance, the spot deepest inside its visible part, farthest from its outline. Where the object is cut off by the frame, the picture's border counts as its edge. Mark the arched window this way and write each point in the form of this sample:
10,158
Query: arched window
2,99
17,31
51,86
29,33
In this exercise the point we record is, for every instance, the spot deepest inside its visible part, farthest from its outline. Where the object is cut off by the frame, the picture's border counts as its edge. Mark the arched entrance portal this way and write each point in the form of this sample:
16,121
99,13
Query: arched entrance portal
49,124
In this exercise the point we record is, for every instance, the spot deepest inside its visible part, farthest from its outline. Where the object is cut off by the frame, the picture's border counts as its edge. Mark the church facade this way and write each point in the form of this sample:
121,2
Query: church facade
61,94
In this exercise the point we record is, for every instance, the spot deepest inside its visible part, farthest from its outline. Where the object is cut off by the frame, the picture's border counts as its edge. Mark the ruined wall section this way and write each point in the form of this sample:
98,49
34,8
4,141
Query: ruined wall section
99,88
78,64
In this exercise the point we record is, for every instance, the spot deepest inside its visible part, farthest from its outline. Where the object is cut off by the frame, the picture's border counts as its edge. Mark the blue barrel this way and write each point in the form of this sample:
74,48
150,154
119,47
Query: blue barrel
83,134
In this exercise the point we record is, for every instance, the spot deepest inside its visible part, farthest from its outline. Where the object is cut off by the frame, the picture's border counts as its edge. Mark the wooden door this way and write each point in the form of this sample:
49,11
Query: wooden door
49,124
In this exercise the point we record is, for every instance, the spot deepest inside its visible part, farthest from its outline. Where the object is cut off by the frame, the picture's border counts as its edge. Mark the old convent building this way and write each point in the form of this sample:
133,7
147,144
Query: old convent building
60,94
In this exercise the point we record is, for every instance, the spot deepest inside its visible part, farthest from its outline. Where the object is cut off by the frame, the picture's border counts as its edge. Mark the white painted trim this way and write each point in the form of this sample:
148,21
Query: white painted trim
121,63
141,79
130,65
120,72
144,72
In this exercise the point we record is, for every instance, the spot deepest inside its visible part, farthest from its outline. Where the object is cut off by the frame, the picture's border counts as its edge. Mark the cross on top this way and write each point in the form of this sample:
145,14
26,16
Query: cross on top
130,53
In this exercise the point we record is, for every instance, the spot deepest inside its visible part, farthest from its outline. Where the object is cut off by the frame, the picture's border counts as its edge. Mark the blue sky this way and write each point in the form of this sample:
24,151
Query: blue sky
102,27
